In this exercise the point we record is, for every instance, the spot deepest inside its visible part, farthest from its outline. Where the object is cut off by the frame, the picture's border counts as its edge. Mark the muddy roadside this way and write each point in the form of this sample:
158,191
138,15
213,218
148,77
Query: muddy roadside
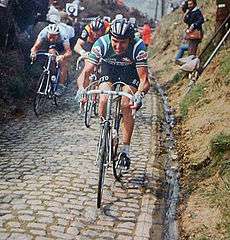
203,151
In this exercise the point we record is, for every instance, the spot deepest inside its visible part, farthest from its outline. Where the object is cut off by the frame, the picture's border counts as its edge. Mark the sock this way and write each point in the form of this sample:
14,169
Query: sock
125,149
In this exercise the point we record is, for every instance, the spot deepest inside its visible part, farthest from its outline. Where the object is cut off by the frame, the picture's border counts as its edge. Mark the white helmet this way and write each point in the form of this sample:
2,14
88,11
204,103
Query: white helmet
53,29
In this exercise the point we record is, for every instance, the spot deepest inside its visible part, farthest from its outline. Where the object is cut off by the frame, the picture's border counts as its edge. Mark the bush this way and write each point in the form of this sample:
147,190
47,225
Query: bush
177,77
225,66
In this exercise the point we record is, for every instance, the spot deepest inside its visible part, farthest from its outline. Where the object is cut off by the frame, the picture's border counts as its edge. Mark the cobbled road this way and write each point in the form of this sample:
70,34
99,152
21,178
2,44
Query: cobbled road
48,179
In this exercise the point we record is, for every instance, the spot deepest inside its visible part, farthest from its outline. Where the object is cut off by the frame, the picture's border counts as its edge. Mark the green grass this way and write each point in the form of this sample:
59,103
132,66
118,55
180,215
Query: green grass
225,66
220,144
177,77
191,99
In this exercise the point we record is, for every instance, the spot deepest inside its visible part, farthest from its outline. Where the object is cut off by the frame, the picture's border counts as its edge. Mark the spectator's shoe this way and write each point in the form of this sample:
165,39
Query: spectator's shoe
60,90
124,160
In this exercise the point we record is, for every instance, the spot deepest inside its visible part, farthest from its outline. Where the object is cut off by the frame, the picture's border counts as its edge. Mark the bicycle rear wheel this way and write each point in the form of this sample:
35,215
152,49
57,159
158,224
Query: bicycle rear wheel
88,111
103,158
41,97
95,105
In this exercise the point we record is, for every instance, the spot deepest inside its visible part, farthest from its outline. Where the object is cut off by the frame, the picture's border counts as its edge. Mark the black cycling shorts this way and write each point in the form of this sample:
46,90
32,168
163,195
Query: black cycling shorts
126,74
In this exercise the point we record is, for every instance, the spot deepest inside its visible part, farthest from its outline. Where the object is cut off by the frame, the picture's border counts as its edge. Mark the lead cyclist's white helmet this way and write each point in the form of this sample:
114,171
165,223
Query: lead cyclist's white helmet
53,29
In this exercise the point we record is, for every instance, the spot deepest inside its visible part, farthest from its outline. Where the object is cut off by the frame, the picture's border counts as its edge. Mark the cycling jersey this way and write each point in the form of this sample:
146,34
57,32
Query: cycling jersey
63,36
87,34
136,54
119,67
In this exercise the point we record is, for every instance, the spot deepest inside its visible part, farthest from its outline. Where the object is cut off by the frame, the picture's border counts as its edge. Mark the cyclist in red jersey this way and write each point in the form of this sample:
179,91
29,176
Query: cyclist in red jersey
90,34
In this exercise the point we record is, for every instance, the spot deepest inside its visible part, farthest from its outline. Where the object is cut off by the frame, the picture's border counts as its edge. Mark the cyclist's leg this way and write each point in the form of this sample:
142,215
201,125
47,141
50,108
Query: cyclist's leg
59,48
127,116
130,77
103,98
107,73
64,69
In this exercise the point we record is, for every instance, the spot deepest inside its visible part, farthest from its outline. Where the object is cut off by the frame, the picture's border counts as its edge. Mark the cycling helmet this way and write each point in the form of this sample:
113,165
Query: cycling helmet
97,24
53,29
122,29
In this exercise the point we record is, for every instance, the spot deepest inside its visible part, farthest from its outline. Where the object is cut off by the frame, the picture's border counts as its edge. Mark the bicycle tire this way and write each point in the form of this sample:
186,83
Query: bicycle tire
117,170
38,103
95,105
103,154
88,112
40,99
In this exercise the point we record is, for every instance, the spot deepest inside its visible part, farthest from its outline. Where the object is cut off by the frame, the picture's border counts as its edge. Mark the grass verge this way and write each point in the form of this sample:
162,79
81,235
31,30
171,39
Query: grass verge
191,99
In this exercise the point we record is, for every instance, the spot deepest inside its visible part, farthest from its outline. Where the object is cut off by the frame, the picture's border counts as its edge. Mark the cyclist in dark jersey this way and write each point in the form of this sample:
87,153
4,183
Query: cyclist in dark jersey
123,58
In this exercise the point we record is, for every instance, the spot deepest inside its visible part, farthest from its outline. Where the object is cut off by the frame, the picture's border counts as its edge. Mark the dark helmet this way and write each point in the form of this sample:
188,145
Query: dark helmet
97,24
122,29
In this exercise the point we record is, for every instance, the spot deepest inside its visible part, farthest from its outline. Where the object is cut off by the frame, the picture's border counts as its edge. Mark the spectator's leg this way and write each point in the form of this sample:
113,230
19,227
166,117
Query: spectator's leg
193,45
182,49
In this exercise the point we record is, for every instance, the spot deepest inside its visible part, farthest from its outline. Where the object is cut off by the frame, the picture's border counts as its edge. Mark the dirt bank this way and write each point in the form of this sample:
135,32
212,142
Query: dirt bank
202,132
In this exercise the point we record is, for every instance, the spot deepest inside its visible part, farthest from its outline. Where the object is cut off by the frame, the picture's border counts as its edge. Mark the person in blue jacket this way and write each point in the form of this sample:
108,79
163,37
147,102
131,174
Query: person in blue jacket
194,19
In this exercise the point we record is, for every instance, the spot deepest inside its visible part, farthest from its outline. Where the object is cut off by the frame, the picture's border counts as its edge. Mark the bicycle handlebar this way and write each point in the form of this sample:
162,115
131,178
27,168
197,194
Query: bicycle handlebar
45,54
109,92
114,93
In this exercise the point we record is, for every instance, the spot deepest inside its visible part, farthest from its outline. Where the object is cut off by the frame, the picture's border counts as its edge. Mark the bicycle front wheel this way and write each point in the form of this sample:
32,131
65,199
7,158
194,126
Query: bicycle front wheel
117,168
103,158
41,95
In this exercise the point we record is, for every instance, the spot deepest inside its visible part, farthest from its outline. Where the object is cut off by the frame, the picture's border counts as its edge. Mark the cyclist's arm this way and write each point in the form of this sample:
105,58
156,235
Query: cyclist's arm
83,79
68,51
36,46
144,80
78,48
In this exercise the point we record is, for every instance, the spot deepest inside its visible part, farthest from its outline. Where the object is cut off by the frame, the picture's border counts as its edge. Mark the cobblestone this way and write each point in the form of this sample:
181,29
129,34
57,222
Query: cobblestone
48,180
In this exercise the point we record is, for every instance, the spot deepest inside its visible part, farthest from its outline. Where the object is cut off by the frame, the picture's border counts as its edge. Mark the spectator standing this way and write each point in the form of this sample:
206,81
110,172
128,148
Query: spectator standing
184,45
194,19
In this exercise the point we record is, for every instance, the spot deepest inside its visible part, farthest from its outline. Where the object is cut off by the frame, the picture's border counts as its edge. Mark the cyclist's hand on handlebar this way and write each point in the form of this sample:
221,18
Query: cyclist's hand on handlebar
138,100
33,56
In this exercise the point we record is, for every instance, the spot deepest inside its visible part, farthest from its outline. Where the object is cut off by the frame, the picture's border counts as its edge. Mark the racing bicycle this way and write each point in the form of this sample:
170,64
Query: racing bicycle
107,148
47,84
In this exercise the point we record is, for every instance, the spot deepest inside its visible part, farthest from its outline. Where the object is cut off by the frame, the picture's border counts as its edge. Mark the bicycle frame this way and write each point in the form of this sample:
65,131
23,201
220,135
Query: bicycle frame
105,150
47,86
49,83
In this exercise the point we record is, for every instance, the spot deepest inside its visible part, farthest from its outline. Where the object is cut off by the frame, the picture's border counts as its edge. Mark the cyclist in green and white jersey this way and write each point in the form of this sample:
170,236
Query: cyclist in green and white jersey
123,58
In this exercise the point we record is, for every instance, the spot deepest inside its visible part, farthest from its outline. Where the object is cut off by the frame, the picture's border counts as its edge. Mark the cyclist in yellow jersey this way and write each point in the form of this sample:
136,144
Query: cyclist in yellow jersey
90,34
